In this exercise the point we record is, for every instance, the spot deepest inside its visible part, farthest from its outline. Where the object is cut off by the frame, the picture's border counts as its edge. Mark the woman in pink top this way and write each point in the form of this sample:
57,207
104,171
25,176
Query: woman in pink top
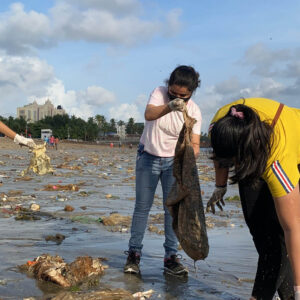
164,121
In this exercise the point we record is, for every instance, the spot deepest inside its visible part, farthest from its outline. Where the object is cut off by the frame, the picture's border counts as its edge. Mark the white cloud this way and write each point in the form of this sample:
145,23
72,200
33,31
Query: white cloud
96,95
21,77
116,6
228,86
264,61
116,22
22,31
25,79
125,111
83,104
173,22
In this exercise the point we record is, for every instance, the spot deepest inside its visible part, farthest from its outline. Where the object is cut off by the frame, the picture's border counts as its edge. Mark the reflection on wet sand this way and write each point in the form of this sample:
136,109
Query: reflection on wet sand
99,222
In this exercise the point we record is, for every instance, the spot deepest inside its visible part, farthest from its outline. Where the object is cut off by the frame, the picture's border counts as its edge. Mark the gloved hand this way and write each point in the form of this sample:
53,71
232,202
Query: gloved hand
216,199
177,104
21,140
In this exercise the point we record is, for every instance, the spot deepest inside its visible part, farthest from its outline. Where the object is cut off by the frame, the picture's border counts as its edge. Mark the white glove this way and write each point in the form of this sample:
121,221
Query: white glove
21,140
177,104
297,295
216,199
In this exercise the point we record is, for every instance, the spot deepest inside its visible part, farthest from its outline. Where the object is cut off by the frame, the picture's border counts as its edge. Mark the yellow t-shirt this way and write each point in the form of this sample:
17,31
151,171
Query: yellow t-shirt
281,174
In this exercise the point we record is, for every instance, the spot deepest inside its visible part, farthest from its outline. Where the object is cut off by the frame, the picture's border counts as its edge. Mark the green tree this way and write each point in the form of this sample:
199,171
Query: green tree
112,125
91,130
102,124
130,127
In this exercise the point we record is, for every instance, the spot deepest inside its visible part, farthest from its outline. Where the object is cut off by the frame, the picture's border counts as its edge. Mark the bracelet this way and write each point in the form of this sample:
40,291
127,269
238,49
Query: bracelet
221,186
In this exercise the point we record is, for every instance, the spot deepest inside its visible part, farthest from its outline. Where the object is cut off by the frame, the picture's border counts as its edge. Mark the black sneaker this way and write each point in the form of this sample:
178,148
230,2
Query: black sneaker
172,266
132,263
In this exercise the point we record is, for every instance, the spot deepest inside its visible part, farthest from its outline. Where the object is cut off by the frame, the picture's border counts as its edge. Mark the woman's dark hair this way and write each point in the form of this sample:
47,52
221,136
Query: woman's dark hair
245,141
185,76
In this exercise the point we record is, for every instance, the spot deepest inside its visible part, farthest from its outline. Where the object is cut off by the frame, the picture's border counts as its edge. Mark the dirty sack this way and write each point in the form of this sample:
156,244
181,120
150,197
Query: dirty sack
56,270
184,200
40,161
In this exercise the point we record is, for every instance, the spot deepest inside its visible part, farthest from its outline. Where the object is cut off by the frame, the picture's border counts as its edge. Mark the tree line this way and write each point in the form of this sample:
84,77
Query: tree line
66,127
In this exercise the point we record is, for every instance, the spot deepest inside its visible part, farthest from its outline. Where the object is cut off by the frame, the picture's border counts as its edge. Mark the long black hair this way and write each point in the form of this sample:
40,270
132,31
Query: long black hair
185,76
243,140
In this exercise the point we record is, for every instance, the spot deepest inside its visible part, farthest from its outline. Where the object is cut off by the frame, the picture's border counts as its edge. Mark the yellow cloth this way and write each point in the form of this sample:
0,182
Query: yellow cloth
281,174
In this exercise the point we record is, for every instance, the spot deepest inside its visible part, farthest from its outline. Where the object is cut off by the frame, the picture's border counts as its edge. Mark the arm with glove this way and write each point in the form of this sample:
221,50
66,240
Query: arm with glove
220,189
154,112
18,139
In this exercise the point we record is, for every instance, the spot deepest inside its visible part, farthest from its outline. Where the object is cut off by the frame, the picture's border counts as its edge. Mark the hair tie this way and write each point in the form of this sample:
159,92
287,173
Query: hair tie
237,114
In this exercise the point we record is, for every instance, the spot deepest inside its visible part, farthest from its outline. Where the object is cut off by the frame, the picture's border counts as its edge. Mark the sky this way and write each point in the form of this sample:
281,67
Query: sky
106,56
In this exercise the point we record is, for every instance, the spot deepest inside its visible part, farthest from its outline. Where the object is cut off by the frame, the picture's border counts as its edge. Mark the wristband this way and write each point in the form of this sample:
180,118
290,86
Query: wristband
221,186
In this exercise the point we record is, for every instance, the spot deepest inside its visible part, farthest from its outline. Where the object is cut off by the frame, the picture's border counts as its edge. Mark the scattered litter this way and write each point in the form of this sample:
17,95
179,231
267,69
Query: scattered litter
58,187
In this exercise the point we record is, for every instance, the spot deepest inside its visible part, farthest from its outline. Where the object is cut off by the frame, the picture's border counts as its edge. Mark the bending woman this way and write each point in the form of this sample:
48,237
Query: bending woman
260,138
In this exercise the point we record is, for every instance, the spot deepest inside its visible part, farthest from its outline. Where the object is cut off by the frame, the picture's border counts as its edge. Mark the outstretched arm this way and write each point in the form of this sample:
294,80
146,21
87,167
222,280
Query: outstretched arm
7,131
288,211
20,140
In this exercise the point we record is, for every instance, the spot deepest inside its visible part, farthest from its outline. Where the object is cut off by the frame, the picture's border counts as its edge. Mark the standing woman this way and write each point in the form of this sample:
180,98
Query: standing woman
18,139
261,139
154,162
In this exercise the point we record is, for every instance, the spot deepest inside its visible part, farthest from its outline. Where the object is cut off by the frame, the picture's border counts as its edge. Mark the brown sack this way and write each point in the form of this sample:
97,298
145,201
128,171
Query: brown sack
184,200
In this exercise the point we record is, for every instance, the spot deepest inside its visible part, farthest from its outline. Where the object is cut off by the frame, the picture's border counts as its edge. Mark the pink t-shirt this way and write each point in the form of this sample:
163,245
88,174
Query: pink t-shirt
160,136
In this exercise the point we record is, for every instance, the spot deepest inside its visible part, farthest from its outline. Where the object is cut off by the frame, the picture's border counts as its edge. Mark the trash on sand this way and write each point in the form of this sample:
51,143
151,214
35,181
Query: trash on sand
143,295
58,187
107,294
24,216
58,238
68,208
155,229
116,219
34,207
40,161
54,269
85,219
3,282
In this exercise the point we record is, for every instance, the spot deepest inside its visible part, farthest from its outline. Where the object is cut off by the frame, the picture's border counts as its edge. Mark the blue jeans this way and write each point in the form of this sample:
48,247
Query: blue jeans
149,170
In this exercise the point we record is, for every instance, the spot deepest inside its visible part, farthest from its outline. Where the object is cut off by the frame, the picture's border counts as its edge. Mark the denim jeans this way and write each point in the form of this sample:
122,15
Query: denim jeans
149,170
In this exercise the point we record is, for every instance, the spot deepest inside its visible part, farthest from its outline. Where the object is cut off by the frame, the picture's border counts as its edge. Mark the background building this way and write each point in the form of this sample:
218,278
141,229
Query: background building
33,112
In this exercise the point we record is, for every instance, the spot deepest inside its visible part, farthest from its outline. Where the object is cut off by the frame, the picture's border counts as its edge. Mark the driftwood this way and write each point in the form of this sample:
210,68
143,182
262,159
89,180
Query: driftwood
184,200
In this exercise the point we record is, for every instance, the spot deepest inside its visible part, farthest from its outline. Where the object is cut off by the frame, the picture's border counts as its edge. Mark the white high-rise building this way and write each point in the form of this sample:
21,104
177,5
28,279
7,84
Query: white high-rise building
33,112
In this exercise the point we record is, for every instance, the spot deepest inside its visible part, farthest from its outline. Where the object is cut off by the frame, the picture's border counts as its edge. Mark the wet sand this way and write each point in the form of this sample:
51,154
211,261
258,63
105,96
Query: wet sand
105,181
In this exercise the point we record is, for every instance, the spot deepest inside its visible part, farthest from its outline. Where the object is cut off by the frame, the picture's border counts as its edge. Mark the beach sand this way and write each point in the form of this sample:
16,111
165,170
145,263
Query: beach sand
104,177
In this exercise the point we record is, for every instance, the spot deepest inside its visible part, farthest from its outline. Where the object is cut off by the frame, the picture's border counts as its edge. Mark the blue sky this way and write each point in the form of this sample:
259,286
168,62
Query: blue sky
106,56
